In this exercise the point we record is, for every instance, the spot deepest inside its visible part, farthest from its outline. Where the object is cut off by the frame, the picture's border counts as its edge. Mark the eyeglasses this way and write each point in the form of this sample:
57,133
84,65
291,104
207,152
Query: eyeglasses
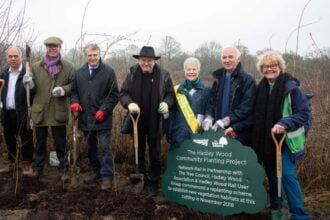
271,66
52,45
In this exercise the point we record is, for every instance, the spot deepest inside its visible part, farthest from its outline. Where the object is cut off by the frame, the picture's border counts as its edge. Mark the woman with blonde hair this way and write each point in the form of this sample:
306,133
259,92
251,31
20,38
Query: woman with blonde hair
272,90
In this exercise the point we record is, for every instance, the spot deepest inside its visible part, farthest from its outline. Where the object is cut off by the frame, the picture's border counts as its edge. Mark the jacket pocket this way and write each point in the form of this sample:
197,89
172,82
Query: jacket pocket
37,113
61,113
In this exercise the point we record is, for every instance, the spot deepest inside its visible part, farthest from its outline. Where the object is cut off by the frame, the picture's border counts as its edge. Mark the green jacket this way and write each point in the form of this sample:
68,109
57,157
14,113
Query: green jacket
48,110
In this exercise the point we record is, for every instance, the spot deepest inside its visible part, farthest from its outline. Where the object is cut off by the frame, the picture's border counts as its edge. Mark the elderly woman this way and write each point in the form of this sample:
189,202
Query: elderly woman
192,96
272,90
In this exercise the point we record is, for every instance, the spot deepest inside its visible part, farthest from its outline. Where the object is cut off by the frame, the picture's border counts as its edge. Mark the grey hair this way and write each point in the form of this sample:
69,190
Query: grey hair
192,61
238,53
14,47
92,47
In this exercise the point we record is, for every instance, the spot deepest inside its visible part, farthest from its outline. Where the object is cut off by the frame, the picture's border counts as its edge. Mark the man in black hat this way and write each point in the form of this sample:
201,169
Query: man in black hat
148,91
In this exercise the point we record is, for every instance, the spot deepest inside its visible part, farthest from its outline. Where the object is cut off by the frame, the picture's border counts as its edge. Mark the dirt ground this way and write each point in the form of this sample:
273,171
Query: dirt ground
47,198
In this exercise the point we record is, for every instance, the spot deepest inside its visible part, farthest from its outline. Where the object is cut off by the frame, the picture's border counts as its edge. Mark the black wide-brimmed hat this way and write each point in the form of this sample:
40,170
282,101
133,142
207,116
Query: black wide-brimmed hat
147,52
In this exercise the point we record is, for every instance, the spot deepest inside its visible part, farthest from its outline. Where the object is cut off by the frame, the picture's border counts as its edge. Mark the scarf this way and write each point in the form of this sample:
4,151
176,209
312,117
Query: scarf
51,65
268,111
189,85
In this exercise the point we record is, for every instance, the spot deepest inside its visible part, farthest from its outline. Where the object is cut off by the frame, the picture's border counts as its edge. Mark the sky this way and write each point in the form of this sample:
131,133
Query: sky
257,24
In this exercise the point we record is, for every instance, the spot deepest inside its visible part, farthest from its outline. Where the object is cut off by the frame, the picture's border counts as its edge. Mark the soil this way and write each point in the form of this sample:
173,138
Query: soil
47,197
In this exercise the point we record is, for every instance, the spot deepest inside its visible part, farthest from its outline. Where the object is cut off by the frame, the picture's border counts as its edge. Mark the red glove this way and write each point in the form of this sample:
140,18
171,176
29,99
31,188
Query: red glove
75,107
232,134
99,116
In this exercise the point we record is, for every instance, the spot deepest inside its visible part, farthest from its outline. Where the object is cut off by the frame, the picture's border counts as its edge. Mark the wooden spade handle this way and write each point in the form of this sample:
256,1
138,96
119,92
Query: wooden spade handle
135,121
278,153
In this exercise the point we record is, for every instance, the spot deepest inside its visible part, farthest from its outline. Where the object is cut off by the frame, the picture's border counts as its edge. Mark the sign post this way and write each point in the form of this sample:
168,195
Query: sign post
213,173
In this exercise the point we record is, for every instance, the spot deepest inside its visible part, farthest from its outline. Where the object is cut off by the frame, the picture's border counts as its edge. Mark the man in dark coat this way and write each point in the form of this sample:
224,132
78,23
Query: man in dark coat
94,95
148,91
232,98
14,116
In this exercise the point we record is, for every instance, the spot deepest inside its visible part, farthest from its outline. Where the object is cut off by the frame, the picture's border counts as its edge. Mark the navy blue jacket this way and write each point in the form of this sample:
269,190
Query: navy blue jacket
300,109
93,93
241,99
179,129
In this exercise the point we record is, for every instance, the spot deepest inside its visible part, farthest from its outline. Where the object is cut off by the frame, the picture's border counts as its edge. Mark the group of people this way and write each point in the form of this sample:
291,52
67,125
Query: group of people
246,111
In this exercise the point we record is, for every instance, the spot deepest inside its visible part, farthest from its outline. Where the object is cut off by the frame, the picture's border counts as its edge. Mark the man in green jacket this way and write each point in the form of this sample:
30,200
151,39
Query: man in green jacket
51,85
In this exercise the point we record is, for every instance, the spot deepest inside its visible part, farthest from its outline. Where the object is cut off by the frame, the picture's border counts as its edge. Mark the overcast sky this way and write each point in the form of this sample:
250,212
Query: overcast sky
256,24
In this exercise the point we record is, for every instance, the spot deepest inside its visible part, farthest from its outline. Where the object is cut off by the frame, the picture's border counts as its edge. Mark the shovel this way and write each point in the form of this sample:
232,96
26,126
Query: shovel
279,214
74,167
137,178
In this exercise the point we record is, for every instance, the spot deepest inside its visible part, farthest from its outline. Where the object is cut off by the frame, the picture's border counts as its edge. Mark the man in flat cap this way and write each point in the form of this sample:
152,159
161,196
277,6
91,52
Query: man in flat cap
51,85
148,91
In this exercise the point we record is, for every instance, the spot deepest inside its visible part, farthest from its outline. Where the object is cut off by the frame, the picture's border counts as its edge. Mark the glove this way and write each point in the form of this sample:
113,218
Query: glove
207,124
133,108
222,123
99,116
27,80
231,133
75,107
163,108
58,92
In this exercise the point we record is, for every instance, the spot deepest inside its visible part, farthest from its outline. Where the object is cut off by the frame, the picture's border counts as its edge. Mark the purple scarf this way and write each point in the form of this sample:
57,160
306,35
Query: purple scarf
51,64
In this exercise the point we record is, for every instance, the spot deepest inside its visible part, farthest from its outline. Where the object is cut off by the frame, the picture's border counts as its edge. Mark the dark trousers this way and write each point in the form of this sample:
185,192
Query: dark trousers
11,130
154,155
60,144
99,153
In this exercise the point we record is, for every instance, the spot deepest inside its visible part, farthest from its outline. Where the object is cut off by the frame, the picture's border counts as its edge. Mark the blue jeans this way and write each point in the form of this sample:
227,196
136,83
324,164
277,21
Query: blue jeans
290,186
99,153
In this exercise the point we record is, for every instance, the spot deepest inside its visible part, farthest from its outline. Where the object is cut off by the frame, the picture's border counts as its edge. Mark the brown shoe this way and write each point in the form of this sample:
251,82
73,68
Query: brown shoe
91,179
26,167
106,185
7,166
65,178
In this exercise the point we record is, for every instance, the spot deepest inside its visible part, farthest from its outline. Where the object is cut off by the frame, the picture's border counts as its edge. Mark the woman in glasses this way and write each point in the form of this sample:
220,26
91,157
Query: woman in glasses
274,87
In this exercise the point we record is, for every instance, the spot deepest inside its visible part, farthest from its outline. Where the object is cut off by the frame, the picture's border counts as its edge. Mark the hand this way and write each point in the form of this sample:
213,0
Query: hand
133,108
99,116
207,124
278,129
231,133
58,91
163,108
27,80
222,123
75,107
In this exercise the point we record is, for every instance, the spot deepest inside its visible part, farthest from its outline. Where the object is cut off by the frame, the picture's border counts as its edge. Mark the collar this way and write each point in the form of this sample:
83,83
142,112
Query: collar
18,70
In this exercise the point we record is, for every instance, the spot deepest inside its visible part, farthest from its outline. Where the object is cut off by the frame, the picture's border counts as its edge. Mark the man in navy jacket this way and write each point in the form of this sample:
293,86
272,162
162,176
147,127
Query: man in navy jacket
232,98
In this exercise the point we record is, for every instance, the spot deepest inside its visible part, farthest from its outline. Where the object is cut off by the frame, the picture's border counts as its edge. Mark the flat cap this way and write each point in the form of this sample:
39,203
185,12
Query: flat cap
53,40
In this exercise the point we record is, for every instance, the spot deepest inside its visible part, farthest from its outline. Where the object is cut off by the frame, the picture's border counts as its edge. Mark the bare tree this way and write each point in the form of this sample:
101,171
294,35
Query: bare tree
13,26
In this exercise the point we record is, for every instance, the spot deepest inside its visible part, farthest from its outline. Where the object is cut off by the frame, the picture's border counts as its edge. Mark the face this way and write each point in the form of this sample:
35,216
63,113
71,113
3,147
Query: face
53,50
93,57
230,59
191,72
147,64
270,70
14,58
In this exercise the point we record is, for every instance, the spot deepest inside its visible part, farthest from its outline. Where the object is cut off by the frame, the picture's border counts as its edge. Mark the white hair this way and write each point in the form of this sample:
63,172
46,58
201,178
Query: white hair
238,53
192,61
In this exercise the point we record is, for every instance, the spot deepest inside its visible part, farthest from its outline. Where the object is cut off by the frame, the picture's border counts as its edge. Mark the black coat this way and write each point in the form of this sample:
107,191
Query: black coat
241,100
130,92
93,93
20,96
